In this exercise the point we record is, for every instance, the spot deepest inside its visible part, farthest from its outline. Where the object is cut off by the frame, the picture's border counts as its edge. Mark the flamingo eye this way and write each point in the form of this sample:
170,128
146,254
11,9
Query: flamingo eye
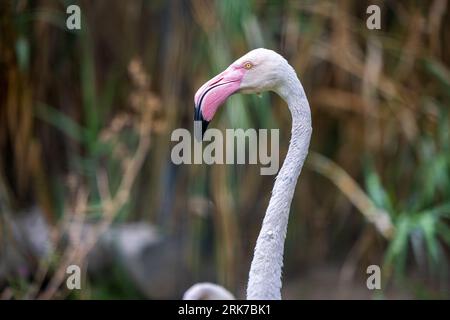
248,65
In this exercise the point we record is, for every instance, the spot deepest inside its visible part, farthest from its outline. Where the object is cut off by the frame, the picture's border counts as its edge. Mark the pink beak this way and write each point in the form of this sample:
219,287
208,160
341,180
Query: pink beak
213,94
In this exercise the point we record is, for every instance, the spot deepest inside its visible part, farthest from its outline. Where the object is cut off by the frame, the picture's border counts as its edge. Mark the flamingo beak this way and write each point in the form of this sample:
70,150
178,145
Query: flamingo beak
199,117
213,94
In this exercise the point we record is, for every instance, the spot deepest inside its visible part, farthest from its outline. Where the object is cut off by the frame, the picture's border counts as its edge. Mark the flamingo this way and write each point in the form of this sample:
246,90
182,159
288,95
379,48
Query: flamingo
257,71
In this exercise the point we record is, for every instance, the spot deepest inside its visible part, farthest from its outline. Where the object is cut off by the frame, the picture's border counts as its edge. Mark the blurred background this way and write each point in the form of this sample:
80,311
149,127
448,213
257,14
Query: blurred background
85,170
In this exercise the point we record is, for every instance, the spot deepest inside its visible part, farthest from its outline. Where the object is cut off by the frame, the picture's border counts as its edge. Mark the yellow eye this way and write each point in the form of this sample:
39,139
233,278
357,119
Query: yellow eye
248,65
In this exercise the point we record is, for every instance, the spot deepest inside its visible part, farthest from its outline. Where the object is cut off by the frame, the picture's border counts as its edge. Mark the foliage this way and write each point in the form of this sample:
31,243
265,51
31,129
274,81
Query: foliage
80,108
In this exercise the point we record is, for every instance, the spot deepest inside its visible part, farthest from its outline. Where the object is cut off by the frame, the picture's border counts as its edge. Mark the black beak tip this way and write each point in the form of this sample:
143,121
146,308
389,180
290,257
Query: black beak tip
204,126
199,117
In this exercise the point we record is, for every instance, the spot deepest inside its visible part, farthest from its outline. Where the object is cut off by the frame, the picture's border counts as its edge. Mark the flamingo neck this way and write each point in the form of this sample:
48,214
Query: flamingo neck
265,271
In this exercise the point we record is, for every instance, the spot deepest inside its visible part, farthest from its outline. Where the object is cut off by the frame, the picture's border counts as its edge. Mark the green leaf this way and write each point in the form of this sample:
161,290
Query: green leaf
439,71
444,231
23,53
59,120
396,253
427,223
376,191
439,211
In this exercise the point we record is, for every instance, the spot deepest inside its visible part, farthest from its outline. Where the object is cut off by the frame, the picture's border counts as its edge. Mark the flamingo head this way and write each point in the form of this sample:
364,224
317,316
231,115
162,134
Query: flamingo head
257,71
